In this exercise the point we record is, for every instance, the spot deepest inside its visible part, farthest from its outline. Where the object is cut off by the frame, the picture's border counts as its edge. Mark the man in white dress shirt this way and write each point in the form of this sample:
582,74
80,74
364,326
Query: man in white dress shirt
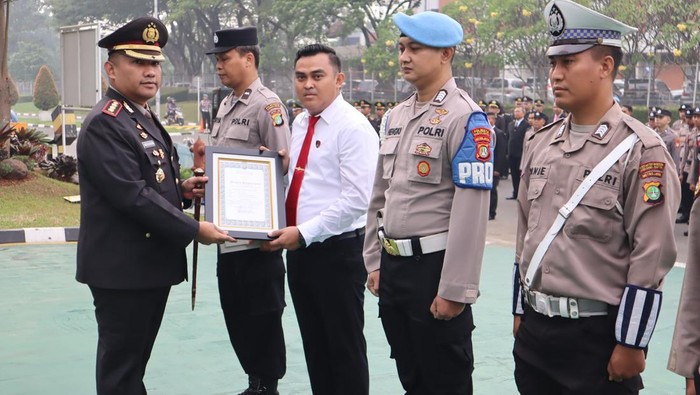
332,161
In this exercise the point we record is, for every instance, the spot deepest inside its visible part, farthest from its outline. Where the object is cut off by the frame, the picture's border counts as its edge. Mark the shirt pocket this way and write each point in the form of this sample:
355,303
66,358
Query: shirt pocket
595,216
425,161
237,132
387,154
534,192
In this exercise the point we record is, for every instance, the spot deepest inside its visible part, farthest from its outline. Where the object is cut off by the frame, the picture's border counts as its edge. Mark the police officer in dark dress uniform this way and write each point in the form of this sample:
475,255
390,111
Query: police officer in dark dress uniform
133,233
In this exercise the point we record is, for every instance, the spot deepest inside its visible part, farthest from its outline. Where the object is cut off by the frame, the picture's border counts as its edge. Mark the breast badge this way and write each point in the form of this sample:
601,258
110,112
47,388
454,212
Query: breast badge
423,149
160,175
423,168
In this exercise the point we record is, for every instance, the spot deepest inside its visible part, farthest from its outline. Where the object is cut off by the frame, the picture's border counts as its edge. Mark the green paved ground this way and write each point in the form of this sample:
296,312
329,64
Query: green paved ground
48,333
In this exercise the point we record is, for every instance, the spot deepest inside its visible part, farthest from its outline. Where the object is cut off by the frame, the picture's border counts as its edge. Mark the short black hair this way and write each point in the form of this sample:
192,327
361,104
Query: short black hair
600,51
315,49
628,107
254,49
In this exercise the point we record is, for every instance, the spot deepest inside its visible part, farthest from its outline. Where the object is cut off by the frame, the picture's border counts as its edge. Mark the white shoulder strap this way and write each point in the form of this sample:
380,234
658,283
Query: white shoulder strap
575,199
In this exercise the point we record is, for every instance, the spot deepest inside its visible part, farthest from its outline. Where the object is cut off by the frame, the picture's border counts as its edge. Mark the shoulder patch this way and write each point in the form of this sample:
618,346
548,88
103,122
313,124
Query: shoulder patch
112,108
275,111
472,166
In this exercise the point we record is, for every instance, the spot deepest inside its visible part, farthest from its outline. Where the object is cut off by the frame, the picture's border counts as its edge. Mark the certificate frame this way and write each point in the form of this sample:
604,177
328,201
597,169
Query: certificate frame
256,177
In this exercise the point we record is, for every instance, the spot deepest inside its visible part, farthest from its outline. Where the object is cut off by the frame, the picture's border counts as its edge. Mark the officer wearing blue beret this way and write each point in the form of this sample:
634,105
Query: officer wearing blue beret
598,197
133,233
434,174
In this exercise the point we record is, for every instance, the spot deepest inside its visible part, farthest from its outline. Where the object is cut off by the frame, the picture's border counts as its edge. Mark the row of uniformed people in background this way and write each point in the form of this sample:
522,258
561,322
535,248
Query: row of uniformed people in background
408,218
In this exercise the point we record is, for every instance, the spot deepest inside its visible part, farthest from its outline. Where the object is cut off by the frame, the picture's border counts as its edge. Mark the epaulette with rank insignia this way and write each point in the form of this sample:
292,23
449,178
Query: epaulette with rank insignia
648,137
113,107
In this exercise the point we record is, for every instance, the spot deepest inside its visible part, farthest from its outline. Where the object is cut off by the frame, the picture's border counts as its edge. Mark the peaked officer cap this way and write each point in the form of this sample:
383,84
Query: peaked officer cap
142,38
575,28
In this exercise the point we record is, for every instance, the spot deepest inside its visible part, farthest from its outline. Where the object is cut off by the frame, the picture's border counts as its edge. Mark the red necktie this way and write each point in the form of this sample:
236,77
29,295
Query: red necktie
298,177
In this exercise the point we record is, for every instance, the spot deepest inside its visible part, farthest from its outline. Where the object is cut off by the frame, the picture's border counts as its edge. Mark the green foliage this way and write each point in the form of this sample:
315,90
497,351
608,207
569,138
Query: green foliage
62,168
29,142
185,173
382,58
28,161
45,91
25,61
5,169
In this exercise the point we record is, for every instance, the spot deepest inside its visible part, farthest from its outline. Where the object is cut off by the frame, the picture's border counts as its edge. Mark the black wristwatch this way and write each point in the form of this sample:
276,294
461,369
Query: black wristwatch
302,242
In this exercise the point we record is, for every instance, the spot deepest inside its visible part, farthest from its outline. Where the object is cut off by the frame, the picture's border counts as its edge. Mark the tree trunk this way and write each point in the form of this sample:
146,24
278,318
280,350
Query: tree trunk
4,74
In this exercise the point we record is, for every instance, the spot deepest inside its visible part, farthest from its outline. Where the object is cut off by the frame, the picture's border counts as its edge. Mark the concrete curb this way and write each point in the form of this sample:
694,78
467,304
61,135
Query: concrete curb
38,235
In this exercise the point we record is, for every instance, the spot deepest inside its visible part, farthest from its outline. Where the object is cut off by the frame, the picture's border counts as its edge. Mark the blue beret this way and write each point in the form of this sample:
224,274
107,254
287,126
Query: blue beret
430,28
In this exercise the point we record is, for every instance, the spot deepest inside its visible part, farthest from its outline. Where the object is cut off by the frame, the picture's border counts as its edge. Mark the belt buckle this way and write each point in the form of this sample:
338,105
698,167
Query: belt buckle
391,247
543,305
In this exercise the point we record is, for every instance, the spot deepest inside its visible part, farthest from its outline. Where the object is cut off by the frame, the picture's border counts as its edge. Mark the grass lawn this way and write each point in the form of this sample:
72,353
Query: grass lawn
37,202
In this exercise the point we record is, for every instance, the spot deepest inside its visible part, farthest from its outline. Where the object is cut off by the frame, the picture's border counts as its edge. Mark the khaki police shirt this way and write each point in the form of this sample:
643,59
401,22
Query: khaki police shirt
622,231
693,156
256,118
423,201
684,358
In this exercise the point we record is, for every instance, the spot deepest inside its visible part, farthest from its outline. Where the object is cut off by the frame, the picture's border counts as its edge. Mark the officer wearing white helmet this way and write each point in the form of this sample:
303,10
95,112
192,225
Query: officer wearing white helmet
596,209
434,173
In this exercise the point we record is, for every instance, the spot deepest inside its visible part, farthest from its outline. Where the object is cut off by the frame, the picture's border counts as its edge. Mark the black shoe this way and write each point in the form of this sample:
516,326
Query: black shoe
685,233
511,197
257,387
682,220
492,217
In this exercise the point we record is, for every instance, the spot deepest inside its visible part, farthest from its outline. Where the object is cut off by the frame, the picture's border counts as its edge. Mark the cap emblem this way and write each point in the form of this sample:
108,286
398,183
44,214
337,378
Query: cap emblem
216,38
150,33
556,21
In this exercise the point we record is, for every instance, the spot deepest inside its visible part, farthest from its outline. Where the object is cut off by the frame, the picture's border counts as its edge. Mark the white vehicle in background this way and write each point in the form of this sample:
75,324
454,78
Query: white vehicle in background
505,90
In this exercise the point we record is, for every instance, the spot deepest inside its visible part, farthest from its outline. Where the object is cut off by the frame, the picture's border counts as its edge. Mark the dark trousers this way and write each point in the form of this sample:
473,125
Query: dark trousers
432,356
686,197
206,120
561,356
514,164
127,325
251,291
493,204
326,281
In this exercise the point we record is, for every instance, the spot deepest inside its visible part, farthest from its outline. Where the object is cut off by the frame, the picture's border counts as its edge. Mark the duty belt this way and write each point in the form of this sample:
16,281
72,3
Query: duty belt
412,246
562,306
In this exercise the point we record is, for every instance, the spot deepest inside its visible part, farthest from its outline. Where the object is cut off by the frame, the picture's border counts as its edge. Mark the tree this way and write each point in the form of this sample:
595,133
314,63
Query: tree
382,59
33,40
45,91
4,73
14,93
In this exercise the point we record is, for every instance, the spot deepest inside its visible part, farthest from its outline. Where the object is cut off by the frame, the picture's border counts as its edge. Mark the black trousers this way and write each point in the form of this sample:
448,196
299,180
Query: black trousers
206,120
514,164
327,284
127,325
432,356
561,356
493,204
686,197
251,291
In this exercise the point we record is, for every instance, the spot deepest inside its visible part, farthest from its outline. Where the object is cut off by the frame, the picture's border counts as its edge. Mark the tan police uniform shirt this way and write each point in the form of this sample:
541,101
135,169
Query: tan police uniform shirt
599,250
685,345
423,200
693,156
256,118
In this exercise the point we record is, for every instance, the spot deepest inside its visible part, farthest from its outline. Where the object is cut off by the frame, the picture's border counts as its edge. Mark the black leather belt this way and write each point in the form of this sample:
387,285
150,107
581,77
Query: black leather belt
352,234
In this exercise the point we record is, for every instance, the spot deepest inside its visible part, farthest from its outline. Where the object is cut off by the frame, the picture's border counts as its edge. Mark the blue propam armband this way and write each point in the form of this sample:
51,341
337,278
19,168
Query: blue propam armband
472,166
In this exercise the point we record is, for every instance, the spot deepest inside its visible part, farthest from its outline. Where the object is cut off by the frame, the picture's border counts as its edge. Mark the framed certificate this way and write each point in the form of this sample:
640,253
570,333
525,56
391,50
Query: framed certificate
245,192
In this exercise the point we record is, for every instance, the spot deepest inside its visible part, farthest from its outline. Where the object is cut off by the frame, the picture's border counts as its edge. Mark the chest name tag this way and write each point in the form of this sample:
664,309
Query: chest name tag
472,166
148,144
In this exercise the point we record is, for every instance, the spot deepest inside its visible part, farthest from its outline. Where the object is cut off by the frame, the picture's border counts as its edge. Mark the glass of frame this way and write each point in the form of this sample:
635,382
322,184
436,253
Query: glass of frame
245,192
